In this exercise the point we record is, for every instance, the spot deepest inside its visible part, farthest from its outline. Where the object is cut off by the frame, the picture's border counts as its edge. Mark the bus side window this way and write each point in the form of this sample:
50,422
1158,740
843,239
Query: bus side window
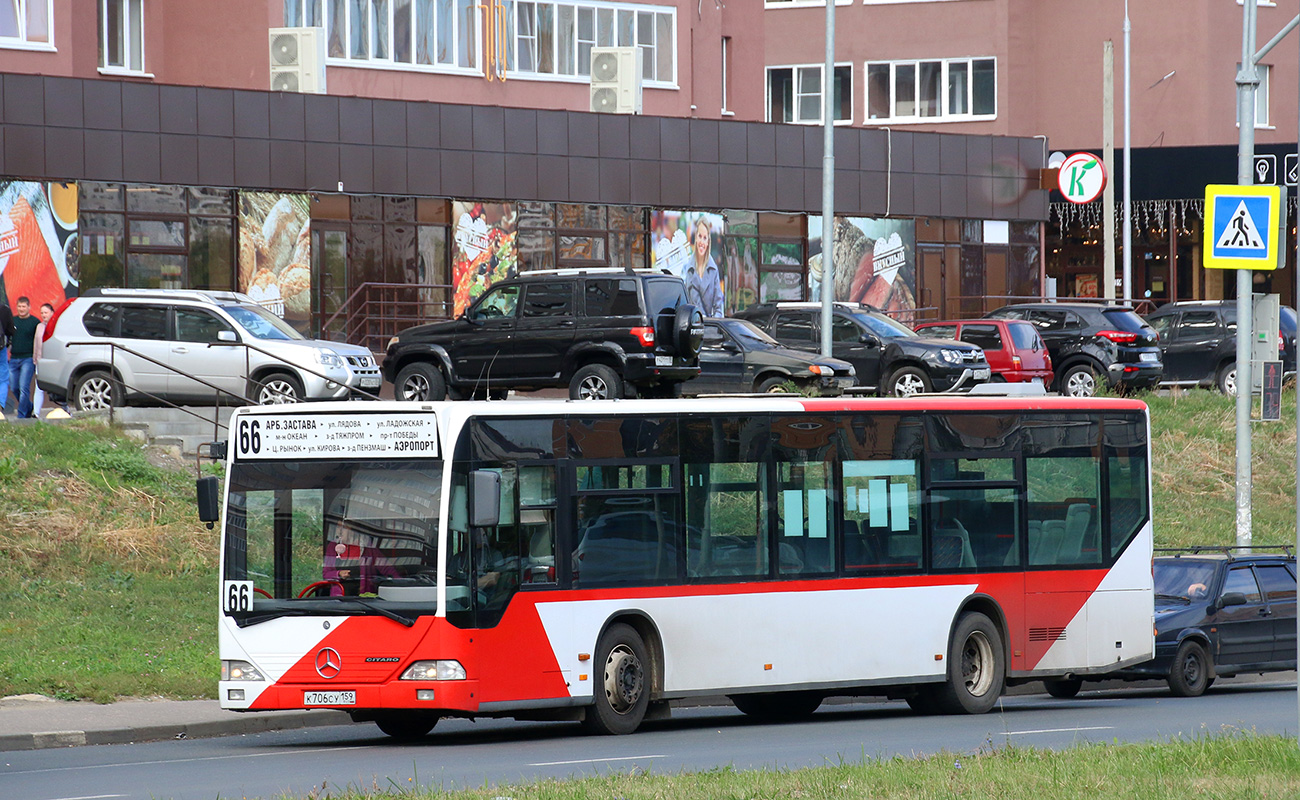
1063,494
880,499
726,526
537,524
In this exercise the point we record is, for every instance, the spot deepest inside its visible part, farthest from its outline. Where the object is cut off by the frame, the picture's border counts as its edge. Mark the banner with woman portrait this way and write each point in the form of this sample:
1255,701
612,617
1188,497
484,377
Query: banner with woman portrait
483,249
689,244
875,261
38,242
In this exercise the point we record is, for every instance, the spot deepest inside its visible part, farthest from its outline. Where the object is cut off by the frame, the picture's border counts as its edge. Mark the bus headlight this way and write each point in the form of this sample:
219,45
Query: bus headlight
434,671
240,671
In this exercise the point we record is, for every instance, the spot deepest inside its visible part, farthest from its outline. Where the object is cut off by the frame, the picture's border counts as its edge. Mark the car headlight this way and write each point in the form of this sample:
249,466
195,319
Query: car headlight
434,671
328,358
951,356
392,343
819,369
240,671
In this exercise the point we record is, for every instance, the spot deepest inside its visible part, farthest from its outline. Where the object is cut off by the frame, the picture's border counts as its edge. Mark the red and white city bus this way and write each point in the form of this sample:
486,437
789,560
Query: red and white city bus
594,560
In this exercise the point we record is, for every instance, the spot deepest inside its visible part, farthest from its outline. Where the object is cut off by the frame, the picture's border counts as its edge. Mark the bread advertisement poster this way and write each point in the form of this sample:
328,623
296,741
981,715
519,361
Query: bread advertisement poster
38,242
275,254
483,249
689,244
874,261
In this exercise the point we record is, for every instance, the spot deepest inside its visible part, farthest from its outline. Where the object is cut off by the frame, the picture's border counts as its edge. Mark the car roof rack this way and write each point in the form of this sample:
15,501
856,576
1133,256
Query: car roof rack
1287,550
566,271
172,294
1029,389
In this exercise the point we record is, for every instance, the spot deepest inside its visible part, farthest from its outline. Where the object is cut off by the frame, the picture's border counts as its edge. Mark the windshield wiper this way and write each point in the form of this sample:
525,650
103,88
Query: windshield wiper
246,619
1172,597
387,612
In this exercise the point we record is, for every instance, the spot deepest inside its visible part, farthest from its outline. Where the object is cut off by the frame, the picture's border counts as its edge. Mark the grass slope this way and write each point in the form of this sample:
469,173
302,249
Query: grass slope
110,579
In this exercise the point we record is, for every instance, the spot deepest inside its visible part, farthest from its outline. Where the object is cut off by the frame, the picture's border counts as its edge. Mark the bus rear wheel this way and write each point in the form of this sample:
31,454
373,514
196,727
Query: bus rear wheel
778,705
622,694
977,667
411,725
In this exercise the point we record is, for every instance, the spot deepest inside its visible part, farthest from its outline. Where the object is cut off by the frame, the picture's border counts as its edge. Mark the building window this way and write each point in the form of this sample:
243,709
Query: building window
1264,71
555,38
25,22
305,13
726,74
121,35
943,90
419,33
794,94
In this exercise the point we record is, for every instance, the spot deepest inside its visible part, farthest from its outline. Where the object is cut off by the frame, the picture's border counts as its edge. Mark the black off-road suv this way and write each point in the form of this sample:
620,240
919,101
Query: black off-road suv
603,333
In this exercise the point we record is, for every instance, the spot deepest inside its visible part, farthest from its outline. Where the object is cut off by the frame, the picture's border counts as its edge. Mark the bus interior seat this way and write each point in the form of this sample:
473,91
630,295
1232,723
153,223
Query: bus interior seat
817,554
860,549
791,561
1044,547
1078,524
952,546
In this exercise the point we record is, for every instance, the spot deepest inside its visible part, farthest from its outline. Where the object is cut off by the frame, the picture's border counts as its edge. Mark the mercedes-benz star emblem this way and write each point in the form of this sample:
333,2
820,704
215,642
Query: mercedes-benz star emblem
328,663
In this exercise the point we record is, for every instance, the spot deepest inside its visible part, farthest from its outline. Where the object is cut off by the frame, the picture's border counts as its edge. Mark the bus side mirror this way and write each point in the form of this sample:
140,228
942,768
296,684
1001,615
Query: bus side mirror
485,498
208,496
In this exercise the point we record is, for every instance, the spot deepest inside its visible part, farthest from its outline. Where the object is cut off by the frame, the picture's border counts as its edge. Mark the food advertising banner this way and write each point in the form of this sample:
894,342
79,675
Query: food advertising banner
685,244
275,254
875,261
484,248
38,242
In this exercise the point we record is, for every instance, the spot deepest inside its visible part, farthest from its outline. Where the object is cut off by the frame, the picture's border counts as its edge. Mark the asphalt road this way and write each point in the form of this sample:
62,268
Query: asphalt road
460,753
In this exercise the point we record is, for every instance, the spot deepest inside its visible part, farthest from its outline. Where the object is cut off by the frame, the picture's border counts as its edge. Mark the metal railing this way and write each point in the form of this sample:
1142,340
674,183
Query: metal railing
375,312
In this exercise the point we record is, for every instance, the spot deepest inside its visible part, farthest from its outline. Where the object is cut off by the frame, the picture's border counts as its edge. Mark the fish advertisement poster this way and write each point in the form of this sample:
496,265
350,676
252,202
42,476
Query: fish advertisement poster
875,261
275,254
38,242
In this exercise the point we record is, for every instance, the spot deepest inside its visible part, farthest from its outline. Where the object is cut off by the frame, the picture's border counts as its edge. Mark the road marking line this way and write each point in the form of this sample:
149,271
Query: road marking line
1061,730
591,760
182,761
91,797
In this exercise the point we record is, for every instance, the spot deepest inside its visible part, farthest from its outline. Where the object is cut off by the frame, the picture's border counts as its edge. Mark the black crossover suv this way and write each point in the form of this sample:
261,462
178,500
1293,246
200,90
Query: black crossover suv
602,333
1198,342
888,357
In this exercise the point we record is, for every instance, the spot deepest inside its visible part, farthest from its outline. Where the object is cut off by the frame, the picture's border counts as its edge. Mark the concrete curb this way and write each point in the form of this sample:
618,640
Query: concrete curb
237,724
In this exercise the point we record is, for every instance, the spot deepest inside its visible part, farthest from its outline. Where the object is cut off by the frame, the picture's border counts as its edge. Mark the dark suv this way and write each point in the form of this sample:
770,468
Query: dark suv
1198,342
603,333
888,356
1087,341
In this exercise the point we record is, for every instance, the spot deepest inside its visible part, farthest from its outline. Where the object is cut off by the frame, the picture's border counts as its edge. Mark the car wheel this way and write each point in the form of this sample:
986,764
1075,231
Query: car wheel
976,667
772,385
420,381
1063,688
97,390
406,725
595,382
1190,674
778,705
623,692
1227,380
908,381
278,388
1079,381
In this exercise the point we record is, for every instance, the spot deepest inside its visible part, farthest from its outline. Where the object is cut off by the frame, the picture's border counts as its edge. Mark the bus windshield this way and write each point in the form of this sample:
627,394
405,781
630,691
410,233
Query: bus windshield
315,530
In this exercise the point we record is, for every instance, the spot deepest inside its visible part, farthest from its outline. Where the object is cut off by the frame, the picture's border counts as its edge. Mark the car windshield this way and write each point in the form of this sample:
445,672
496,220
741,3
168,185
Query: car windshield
262,324
1286,318
749,335
1125,320
884,327
1182,579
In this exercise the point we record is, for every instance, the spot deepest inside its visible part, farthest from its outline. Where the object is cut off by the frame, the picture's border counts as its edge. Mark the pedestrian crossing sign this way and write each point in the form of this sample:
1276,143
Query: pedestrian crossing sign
1241,226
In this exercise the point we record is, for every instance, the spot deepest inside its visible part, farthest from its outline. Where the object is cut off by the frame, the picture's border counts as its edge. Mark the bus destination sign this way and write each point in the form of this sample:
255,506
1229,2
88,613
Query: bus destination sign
357,435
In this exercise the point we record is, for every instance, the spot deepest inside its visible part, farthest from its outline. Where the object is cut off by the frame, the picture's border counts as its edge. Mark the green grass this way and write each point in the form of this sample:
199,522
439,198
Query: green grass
110,586
1230,766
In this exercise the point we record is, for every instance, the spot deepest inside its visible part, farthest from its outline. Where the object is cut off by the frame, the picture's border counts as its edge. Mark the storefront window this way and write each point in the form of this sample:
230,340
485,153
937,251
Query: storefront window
211,254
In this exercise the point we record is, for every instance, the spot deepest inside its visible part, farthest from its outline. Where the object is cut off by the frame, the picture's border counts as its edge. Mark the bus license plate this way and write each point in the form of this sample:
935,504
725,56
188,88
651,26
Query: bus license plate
982,374
329,698
1148,356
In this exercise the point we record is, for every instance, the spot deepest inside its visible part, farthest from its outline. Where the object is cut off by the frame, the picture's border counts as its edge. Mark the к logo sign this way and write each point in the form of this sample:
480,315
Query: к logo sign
1081,178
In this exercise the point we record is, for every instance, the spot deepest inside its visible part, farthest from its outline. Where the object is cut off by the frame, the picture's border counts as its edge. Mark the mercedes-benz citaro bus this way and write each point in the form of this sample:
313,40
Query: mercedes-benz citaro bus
592,561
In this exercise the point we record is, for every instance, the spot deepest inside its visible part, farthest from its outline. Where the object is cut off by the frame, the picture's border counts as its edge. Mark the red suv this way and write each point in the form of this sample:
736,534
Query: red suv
1015,352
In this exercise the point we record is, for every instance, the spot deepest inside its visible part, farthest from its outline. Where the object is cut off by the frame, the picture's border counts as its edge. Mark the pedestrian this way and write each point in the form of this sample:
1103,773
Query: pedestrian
38,403
21,368
6,336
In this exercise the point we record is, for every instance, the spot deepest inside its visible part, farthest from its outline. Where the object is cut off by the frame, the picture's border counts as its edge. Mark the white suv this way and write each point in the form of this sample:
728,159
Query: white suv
167,338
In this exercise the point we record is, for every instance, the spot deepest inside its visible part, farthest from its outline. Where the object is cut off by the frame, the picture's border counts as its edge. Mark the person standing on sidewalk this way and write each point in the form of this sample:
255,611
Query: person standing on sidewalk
38,403
21,349
6,336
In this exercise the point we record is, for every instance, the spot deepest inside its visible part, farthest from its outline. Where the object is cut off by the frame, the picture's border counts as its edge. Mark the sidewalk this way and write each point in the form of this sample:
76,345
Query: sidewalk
34,722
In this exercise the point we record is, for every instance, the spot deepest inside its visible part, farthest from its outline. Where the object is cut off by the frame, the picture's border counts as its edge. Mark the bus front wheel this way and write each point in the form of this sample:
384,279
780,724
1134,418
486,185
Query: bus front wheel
976,667
622,693
406,725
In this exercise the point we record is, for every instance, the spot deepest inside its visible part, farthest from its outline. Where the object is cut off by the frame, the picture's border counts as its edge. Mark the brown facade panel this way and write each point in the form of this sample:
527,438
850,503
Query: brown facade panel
490,175
356,120
789,187
179,156
252,115
704,141
521,175
521,131
615,137
357,168
1005,151
847,200
645,183
65,153
253,163
584,180
322,118
952,195
141,157
733,144
615,181
552,177
457,171
789,146
140,107
645,135
761,143
584,135
423,171
873,149
704,185
423,125
489,129
63,103
674,141
674,184
289,165
925,154
457,128
103,156
872,188
847,150
900,193
952,155
216,112
733,180
390,170
216,160
24,100
898,152
102,104
812,188
24,149
762,185
927,194
979,197
178,110
323,165
979,156
390,123
288,116
814,144
552,133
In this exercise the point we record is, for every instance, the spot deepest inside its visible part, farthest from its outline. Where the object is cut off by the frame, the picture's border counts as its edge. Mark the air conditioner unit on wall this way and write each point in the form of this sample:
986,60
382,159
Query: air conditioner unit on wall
298,60
616,80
